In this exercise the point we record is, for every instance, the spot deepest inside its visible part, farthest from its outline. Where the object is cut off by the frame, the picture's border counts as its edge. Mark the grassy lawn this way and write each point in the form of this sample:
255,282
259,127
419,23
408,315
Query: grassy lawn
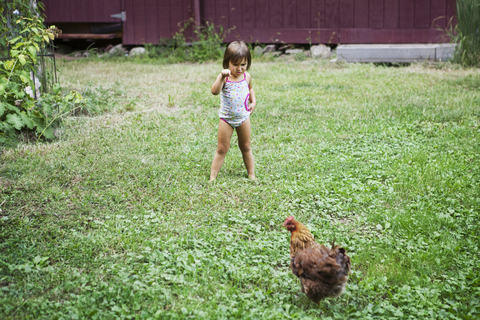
116,219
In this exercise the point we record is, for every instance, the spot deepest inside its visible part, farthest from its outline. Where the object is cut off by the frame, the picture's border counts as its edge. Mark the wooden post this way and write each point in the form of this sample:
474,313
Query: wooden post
197,12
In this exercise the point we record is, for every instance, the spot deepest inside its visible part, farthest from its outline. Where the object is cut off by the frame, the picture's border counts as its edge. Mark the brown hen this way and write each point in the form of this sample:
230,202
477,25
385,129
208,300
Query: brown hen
323,272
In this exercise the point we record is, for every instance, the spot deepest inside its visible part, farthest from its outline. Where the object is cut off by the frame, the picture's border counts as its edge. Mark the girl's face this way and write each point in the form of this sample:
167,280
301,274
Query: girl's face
237,68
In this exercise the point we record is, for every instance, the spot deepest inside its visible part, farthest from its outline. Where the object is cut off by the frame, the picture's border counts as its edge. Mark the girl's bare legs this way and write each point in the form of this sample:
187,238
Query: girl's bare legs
224,136
243,132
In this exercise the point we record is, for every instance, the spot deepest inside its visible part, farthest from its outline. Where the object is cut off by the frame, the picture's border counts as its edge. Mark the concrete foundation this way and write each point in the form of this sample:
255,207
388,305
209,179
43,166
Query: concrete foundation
395,52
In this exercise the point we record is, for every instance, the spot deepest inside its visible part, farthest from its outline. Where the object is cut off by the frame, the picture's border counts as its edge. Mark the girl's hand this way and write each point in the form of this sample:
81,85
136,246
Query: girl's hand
219,82
252,106
225,73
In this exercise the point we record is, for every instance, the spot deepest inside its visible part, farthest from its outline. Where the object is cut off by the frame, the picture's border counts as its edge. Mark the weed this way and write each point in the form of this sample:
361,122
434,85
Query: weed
171,101
467,33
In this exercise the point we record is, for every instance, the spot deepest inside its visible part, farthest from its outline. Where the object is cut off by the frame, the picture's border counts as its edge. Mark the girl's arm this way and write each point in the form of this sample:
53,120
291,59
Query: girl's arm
252,98
219,82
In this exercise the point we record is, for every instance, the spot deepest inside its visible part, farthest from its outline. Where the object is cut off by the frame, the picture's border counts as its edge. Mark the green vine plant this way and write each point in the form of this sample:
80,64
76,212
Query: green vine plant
205,43
25,37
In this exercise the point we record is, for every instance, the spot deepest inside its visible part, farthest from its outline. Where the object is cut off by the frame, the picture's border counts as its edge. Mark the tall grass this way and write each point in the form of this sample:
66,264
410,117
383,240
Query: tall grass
468,32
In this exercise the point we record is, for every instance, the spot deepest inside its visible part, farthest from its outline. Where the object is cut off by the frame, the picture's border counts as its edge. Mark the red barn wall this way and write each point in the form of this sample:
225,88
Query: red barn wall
270,21
149,20
331,21
80,11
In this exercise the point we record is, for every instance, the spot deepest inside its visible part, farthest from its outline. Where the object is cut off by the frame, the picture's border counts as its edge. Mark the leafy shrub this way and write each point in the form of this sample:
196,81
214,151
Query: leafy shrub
206,47
467,32
18,109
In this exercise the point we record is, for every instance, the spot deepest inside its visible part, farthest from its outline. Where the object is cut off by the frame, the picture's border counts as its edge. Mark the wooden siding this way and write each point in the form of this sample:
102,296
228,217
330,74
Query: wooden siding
150,20
402,21
270,21
331,21
80,11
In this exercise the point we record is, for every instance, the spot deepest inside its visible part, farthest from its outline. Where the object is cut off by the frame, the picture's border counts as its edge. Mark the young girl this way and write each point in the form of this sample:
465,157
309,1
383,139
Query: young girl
237,103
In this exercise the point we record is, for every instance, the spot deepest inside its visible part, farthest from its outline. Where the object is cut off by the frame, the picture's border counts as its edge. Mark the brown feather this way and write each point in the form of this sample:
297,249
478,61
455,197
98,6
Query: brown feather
323,272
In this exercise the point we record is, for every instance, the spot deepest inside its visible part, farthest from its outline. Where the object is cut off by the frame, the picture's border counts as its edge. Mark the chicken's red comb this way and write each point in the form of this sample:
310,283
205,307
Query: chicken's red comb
289,219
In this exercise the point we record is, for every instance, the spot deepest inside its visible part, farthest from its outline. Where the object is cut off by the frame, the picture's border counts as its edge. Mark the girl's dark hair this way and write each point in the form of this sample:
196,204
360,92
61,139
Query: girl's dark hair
236,51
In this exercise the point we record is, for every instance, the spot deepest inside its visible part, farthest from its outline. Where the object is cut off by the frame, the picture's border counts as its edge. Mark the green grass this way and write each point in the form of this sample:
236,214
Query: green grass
117,220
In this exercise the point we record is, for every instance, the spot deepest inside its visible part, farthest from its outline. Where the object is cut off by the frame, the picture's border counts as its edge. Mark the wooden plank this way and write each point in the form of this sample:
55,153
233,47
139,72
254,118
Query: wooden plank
140,26
66,13
303,9
188,12
248,13
391,14
54,13
317,17
112,7
76,9
108,8
222,15
82,11
331,14
46,9
176,13
197,14
438,13
422,14
151,21
290,14
346,18
361,14
275,8
97,10
207,9
85,10
92,10
406,17
275,19
283,35
235,14
376,14
262,14
129,24
318,34
164,20
320,29
92,36
451,12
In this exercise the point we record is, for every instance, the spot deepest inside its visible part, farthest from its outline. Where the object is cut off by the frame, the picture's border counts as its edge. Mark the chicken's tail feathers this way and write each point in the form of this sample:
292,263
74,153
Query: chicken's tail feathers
342,259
